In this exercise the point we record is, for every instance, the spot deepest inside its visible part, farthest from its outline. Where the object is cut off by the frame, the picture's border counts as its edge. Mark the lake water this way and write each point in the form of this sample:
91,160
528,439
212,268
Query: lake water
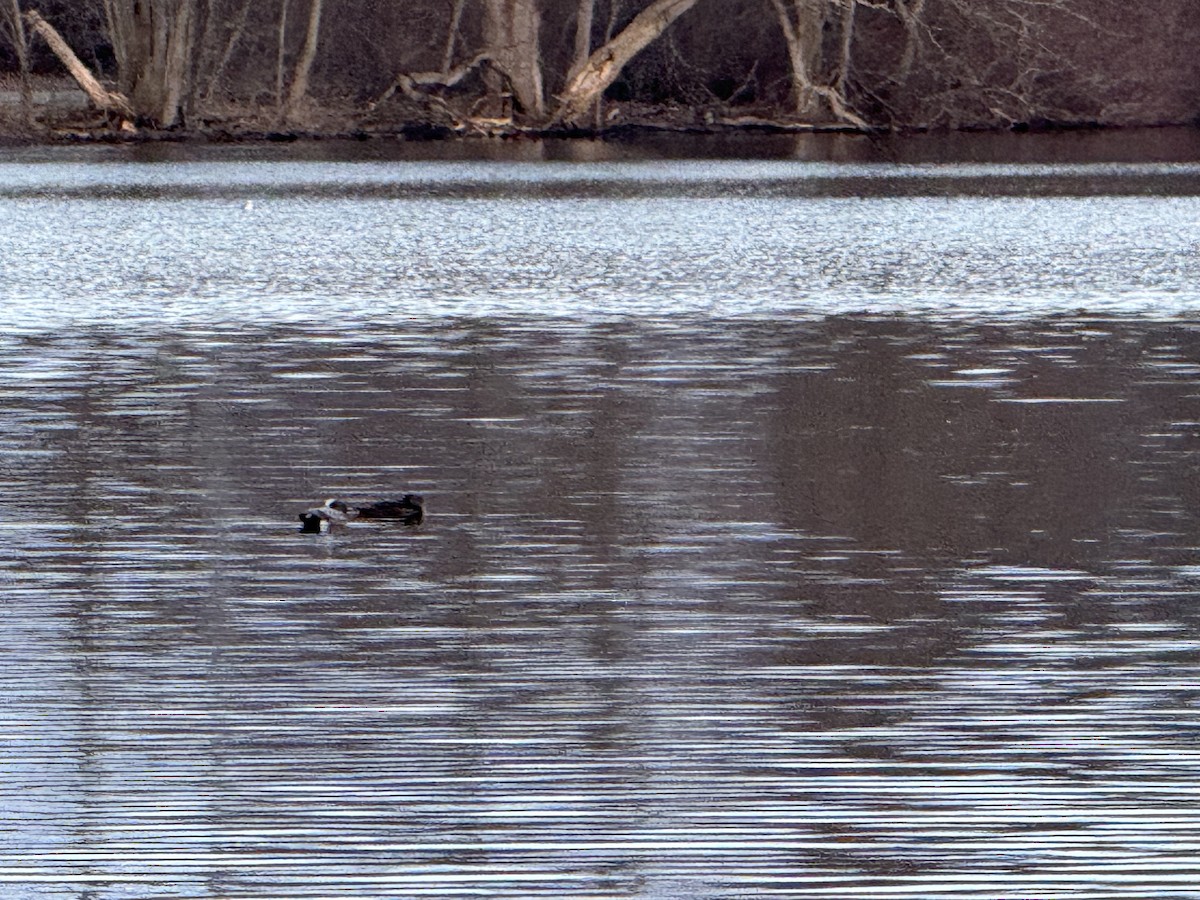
809,526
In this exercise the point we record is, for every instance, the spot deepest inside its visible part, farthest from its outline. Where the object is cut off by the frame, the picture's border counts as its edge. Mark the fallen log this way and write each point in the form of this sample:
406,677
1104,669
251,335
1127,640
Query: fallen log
105,100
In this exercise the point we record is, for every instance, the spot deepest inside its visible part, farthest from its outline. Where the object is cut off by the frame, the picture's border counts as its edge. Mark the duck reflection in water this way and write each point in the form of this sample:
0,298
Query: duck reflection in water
407,510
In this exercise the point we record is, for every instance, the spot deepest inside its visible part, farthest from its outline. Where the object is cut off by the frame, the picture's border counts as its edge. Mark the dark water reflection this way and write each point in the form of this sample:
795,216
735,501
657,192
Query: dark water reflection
846,607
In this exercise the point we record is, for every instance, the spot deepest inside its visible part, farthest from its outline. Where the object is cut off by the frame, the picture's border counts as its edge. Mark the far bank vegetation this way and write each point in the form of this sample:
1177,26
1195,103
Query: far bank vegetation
498,66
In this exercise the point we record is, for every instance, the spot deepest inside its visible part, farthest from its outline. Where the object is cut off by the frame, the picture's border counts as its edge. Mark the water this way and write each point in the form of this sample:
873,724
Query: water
795,544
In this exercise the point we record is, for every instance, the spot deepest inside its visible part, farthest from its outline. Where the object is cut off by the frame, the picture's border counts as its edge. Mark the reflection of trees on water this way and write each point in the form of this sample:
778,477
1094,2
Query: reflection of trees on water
928,451
939,444
632,527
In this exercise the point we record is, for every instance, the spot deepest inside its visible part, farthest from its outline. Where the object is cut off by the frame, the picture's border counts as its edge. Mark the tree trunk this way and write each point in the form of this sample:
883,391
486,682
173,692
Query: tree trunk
103,99
299,86
511,29
584,16
603,66
20,44
803,24
452,34
153,43
177,66
281,54
214,65
910,14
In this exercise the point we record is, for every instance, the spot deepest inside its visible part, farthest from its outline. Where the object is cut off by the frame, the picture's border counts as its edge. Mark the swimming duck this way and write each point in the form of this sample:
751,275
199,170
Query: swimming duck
409,509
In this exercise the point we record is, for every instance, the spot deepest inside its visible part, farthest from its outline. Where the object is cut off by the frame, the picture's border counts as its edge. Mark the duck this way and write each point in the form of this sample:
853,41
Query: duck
408,510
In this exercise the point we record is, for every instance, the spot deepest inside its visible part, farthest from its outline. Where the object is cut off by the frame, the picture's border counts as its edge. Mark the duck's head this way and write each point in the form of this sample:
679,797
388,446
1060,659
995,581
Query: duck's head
312,522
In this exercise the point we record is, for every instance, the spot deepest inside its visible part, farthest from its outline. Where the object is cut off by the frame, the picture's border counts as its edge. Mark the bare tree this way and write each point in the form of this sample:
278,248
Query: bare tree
153,43
902,63
603,66
949,63
104,99
281,54
513,43
15,27
585,14
223,33
298,89
1002,62
452,34
804,24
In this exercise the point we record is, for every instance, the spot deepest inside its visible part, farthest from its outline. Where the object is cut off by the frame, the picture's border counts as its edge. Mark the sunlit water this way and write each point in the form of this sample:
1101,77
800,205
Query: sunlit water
786,539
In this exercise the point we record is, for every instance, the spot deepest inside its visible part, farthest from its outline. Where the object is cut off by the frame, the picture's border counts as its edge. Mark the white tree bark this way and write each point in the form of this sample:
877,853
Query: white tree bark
603,66
177,61
910,14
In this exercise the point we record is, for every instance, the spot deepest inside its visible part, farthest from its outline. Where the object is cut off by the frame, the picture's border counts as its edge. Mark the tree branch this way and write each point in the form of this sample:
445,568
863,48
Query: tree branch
108,101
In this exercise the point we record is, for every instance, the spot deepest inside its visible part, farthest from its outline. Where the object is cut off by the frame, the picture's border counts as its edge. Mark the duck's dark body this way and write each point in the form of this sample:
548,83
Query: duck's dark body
408,510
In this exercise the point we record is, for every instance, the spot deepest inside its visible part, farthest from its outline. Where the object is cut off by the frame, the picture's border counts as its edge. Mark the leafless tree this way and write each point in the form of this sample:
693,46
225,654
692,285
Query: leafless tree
153,43
585,14
298,89
110,102
224,29
1004,62
452,34
513,42
821,67
604,65
902,63
281,55
14,26
942,62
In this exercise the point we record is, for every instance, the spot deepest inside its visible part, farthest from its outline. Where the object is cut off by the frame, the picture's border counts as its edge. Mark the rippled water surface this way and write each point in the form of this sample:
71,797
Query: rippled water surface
795,529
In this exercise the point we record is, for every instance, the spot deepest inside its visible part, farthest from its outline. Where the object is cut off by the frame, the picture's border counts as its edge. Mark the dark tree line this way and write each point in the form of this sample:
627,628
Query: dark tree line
863,63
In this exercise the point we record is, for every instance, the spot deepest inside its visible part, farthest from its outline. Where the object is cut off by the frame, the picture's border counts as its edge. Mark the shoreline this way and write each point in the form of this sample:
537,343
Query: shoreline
431,133
70,121
660,130
252,130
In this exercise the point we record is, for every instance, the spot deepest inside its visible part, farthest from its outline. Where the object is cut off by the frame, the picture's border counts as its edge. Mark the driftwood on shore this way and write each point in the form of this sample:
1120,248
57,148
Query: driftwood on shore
104,99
